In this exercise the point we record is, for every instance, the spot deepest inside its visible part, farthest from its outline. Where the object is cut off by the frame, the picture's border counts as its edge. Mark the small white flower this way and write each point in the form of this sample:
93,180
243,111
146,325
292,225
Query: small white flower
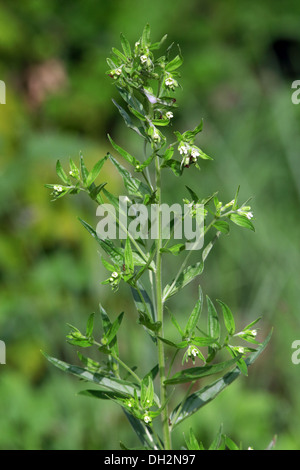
58,188
253,332
246,212
114,275
169,82
116,73
250,448
147,419
169,115
240,349
143,59
184,149
195,152
137,44
156,136
192,351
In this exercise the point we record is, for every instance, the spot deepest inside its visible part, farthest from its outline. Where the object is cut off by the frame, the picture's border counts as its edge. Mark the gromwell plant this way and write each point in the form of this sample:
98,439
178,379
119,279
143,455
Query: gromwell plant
156,403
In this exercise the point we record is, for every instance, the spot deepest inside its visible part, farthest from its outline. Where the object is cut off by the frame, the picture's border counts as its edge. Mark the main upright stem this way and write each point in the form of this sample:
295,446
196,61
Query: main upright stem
159,306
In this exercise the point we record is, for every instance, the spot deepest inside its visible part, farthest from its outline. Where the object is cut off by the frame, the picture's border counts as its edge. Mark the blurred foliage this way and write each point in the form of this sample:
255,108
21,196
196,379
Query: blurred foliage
239,62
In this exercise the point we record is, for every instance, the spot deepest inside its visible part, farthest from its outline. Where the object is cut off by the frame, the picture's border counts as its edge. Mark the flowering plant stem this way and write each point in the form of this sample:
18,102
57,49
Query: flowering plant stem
160,311
146,83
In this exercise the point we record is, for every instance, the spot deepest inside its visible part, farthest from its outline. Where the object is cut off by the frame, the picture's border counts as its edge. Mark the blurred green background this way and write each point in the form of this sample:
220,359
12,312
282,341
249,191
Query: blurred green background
240,59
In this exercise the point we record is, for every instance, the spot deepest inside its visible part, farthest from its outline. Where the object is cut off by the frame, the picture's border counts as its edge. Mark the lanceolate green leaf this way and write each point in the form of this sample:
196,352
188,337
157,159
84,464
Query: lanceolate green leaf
90,325
111,333
174,165
125,45
142,301
228,318
203,341
195,373
206,394
209,246
130,99
133,185
217,440
102,394
222,225
143,432
117,254
110,383
157,45
181,345
190,135
185,278
242,221
176,324
145,39
60,172
192,442
83,170
174,64
129,158
175,249
129,123
137,114
119,54
195,315
94,173
213,323
108,246
194,196
129,262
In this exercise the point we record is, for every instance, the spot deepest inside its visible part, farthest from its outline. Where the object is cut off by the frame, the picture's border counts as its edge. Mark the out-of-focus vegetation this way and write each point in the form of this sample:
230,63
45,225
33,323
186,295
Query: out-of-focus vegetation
240,61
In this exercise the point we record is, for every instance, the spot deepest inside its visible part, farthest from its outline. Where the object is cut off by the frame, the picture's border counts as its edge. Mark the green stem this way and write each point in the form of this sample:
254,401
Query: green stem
159,309
127,368
122,364
184,263
141,271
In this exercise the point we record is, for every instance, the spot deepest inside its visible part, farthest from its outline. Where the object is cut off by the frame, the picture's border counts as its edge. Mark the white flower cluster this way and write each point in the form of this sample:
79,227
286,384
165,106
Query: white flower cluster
189,153
169,115
193,352
115,73
145,60
114,279
171,83
246,212
156,136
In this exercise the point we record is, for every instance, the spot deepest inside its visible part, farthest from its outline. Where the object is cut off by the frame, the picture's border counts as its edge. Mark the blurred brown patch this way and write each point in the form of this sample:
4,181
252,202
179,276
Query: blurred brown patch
44,79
